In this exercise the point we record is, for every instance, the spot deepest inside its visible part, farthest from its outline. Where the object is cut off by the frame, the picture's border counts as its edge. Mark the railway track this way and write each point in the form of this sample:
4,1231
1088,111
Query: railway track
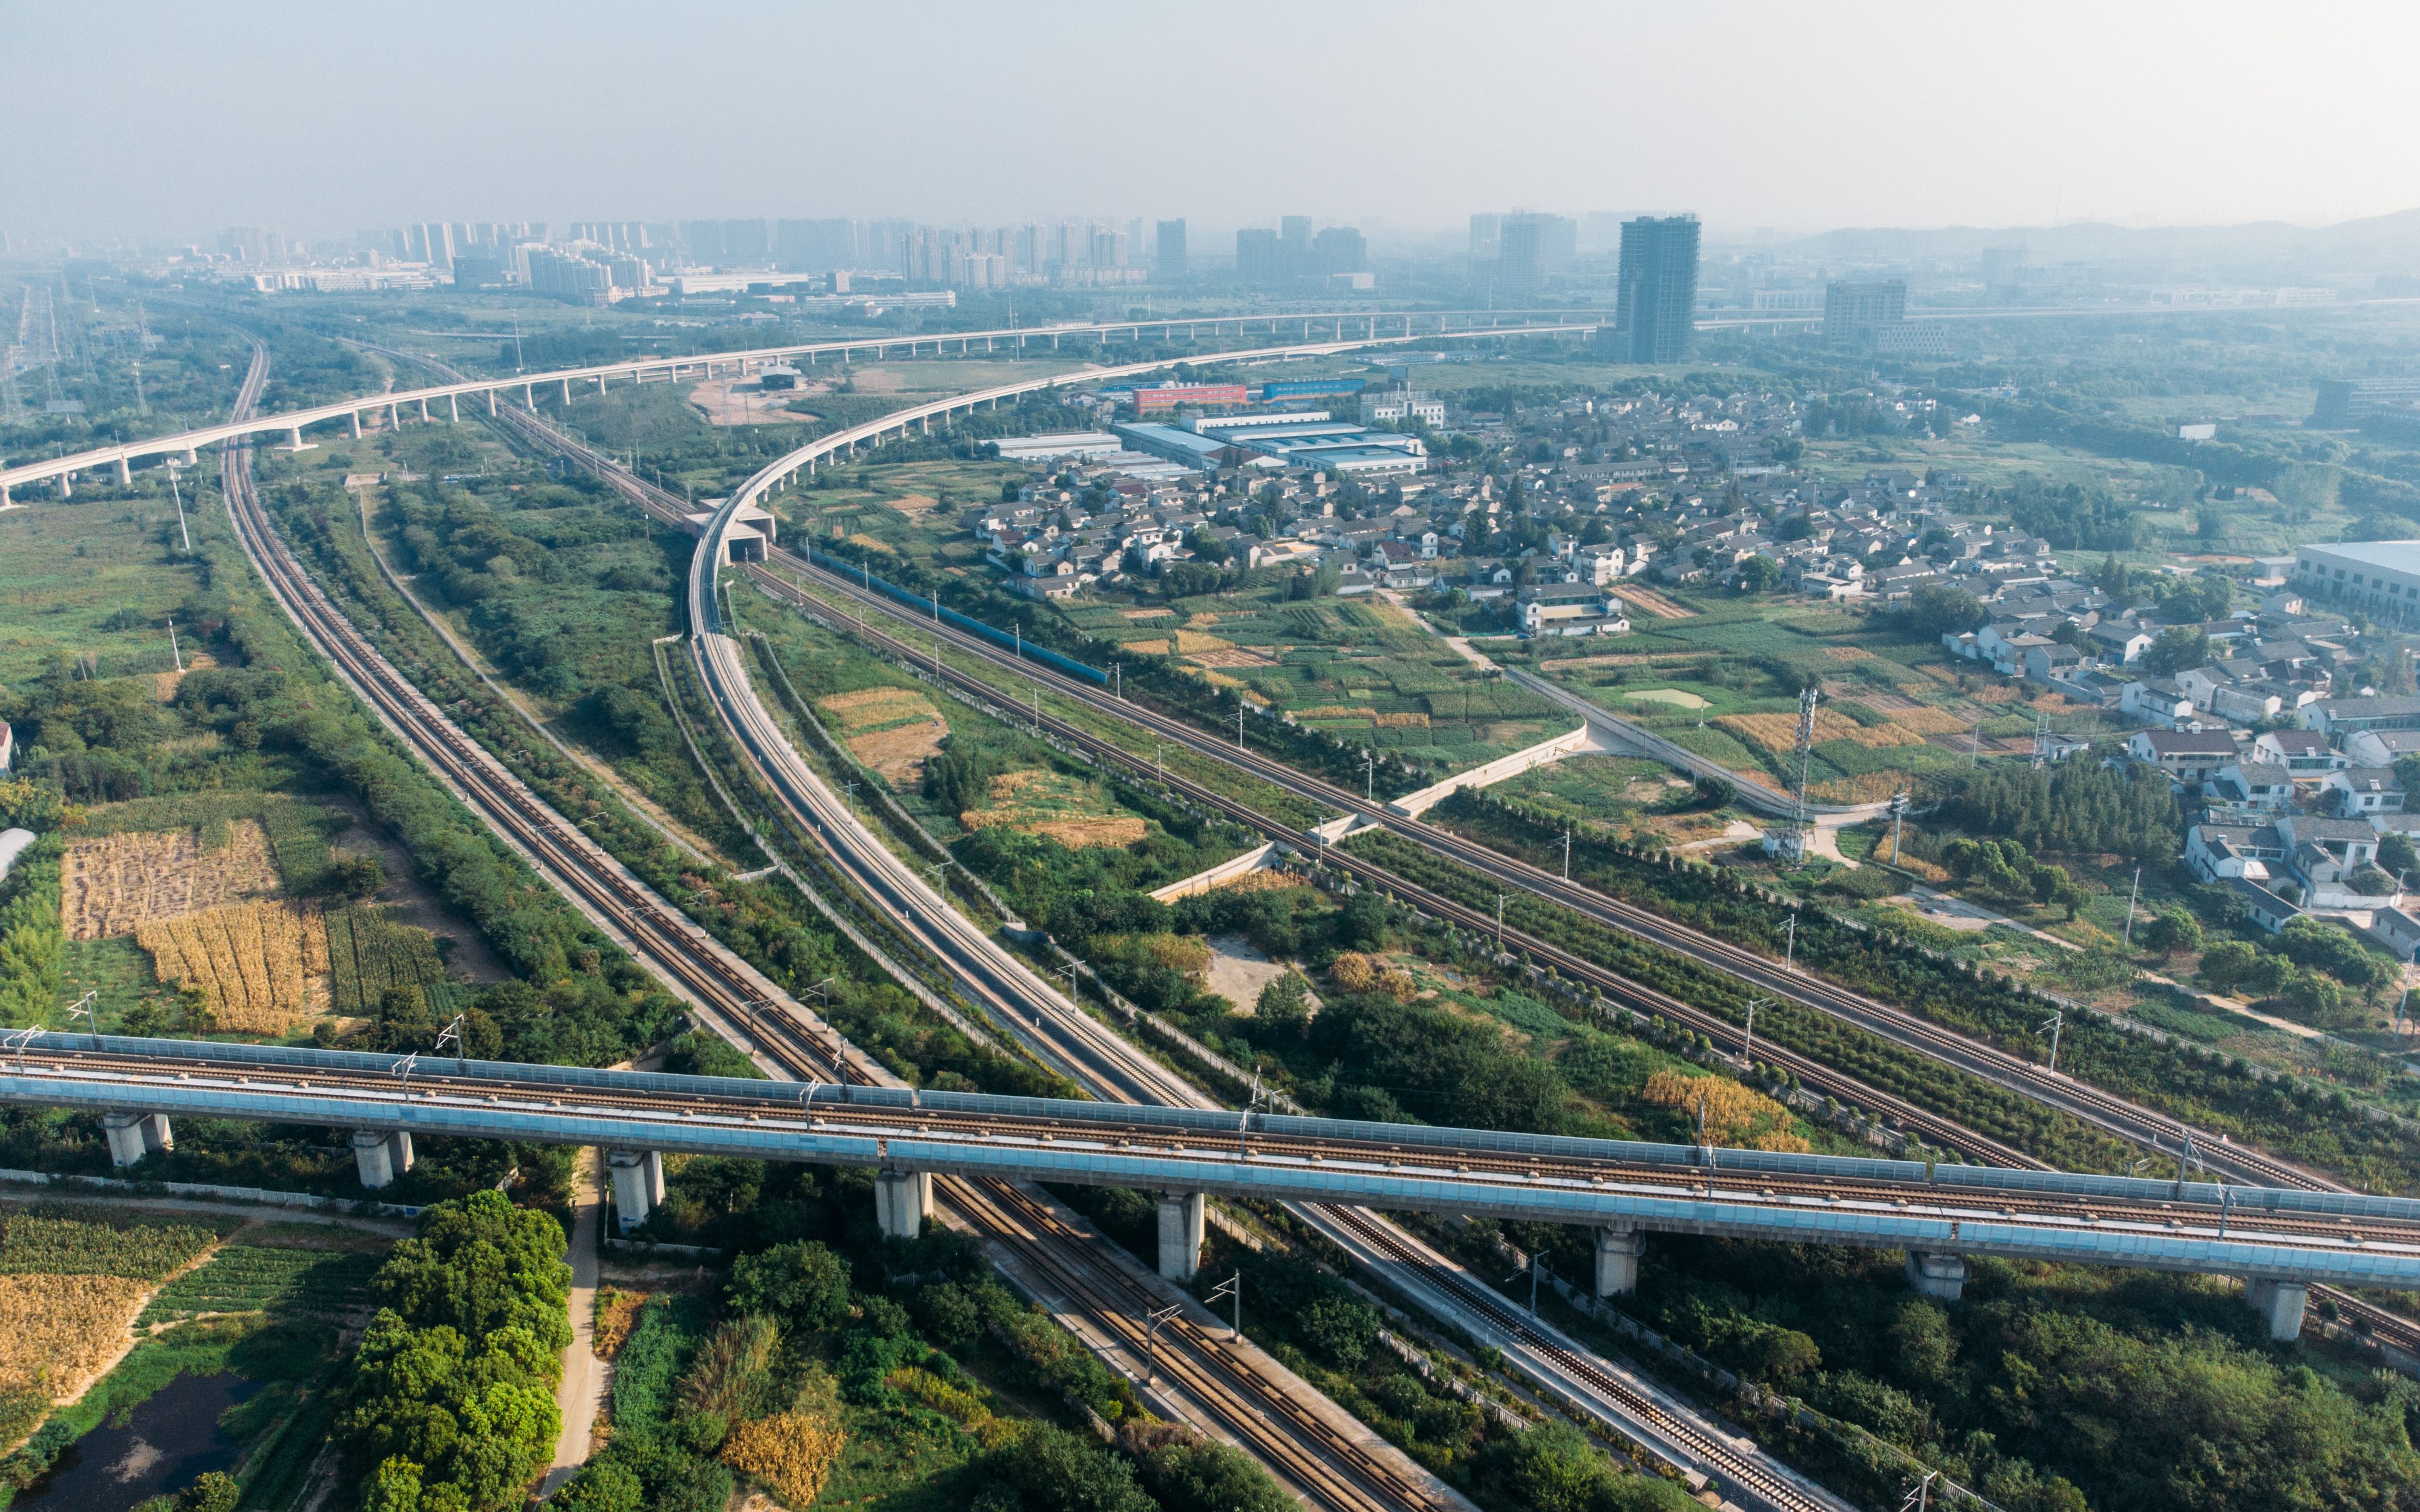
1484,1170
1944,1132
1324,1465
1683,1437
2106,1110
1762,1480
2091,1104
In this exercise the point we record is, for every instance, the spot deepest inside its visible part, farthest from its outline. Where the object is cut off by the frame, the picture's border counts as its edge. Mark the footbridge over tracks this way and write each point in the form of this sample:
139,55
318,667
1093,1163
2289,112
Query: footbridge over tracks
1375,328
2282,1240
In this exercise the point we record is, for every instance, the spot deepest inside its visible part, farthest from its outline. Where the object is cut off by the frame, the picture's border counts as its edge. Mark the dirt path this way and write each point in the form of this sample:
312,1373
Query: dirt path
1648,599
582,1390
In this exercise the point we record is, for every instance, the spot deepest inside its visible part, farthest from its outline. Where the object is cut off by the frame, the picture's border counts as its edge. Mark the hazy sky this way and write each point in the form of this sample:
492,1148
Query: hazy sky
178,119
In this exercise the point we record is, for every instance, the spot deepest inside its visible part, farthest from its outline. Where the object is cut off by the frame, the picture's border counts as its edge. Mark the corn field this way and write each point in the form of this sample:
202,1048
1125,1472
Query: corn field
368,954
57,1247
790,1451
56,1331
263,968
1736,1116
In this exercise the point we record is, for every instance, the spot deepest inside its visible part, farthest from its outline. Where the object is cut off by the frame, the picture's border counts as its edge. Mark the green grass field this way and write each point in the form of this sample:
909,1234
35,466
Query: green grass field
89,580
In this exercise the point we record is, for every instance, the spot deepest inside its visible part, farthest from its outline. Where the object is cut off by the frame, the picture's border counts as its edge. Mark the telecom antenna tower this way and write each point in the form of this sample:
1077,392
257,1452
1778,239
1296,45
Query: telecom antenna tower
1807,701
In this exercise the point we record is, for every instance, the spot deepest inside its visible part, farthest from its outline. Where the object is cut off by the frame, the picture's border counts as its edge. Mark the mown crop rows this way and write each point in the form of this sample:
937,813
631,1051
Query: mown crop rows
243,1278
297,832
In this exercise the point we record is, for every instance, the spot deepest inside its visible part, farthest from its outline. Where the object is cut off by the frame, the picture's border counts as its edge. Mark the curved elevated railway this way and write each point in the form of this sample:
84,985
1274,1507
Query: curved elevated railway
1243,1397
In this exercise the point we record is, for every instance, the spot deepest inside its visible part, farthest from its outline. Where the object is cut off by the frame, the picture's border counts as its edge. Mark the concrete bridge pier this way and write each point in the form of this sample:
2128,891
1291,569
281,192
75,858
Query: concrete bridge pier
1942,1278
453,408
356,418
2279,1305
394,417
424,411
566,390
66,486
4,496
189,458
1181,1220
491,401
638,1185
529,397
380,1156
125,473
902,1202
1618,1250
134,1135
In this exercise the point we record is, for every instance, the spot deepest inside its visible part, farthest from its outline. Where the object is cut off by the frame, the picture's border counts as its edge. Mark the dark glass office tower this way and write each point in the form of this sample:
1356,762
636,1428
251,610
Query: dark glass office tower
1656,300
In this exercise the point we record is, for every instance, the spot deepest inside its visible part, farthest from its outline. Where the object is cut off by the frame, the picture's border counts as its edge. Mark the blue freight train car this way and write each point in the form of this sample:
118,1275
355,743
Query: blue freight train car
949,616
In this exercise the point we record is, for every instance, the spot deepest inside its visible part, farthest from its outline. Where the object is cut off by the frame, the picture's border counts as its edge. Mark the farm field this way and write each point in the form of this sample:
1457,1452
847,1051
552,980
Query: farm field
255,1304
1360,669
369,954
960,772
205,905
261,968
1724,683
70,1287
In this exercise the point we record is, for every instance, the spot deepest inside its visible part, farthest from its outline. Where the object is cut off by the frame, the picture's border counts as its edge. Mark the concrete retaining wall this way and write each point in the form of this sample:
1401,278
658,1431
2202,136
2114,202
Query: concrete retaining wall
222,1194
1412,805
1620,733
1259,858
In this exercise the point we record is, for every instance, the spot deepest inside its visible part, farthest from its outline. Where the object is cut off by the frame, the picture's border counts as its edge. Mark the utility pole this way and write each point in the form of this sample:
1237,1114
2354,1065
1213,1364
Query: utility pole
173,649
1069,970
2057,1022
1152,1319
1239,724
1567,854
1368,776
1920,1499
1499,923
1789,948
1232,1286
2131,894
454,1031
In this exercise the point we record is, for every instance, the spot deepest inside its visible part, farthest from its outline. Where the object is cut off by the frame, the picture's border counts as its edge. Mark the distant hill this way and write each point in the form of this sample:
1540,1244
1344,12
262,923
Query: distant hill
2258,249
